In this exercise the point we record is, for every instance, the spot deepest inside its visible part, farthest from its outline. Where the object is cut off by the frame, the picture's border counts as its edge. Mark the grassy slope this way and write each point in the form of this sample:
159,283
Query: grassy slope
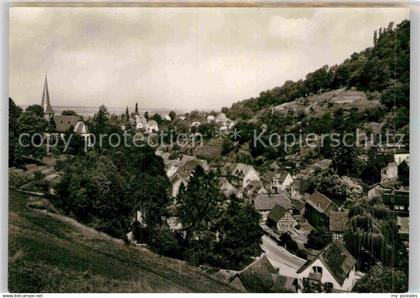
51,254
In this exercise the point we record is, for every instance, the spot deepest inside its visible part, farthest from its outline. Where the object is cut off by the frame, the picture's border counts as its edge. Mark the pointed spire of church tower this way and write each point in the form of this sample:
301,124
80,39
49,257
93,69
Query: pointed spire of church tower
46,105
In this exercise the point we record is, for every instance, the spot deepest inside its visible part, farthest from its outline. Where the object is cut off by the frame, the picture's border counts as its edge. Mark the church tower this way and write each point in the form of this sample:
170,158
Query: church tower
45,104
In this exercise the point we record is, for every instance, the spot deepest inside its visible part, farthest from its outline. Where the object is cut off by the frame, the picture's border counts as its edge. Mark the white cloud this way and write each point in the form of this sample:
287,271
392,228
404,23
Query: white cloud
289,29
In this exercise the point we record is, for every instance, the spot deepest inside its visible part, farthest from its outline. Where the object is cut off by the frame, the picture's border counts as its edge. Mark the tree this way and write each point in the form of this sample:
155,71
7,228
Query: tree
127,114
197,210
345,160
375,37
34,125
172,115
404,173
136,109
309,287
317,80
106,189
289,243
317,240
51,125
402,118
93,191
150,193
382,279
101,120
397,94
164,242
207,130
375,75
36,109
330,184
69,113
372,228
146,115
239,235
156,117
228,146
75,147
245,131
371,173
14,114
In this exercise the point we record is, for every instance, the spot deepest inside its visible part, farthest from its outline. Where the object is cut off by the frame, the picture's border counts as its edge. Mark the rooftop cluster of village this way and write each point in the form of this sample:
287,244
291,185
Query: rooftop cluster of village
289,208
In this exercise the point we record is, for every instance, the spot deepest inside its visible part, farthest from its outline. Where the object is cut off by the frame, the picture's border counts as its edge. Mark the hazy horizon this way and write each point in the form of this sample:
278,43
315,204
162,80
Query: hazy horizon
178,58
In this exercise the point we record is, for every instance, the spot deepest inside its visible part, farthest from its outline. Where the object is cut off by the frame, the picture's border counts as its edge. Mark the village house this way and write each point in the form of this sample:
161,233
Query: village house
64,122
281,219
297,188
334,268
226,169
185,170
172,169
137,224
398,201
244,173
152,126
261,277
210,118
318,208
186,158
253,188
177,180
263,203
338,224
195,124
400,157
226,188
223,122
140,122
376,191
277,181
298,207
390,172
81,128
306,227
174,224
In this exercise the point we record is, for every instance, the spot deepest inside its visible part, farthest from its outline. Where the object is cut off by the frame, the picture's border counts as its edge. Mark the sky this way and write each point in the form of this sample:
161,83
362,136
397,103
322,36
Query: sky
178,58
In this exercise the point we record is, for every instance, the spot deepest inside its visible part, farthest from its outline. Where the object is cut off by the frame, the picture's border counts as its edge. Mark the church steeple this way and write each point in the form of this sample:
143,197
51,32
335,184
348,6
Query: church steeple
46,105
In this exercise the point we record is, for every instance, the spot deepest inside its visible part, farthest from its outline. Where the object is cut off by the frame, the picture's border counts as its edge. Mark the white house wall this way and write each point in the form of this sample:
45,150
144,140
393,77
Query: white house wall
250,175
327,277
287,182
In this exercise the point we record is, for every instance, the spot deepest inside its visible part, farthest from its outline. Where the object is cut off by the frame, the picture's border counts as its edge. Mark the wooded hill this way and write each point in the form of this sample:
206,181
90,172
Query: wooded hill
383,68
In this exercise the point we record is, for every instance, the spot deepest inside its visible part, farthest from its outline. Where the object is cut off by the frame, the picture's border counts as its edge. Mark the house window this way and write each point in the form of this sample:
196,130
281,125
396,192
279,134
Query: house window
317,269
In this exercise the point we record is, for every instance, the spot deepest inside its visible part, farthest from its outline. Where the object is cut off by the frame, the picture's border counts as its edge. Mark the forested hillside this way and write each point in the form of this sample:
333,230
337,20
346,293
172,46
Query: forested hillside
383,68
